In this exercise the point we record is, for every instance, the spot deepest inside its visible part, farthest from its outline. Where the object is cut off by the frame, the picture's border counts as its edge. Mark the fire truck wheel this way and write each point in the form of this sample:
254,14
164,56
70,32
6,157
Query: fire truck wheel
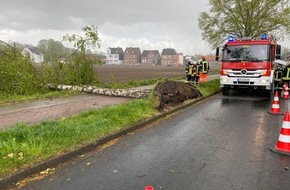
225,91
268,93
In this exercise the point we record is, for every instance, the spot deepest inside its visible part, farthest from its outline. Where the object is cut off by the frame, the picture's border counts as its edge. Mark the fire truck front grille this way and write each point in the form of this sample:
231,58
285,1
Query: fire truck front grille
240,82
252,73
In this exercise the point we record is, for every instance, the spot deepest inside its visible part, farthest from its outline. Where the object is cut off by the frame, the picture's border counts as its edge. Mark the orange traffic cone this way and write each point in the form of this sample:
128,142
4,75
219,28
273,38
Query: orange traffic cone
275,106
283,145
285,92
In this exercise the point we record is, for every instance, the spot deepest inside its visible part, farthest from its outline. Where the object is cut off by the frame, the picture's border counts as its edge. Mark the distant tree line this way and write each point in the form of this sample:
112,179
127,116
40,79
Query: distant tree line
53,50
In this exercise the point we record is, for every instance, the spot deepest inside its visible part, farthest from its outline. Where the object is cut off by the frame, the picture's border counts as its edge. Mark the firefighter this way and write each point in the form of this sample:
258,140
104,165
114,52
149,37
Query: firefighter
204,65
286,74
195,72
278,74
204,68
188,70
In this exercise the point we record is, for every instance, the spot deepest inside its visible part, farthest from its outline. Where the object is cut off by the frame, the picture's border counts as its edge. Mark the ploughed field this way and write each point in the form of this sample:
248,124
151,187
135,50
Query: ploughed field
127,73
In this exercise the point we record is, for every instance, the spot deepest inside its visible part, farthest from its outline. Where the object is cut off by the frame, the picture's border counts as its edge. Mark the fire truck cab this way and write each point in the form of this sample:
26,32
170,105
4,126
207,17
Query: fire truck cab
248,63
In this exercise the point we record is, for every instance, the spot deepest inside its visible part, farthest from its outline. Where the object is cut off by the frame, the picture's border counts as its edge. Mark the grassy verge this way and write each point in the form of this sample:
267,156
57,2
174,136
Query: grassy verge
209,87
24,145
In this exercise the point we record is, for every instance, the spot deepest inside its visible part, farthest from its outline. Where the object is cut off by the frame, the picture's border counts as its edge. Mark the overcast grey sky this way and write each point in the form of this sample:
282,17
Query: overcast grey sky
148,24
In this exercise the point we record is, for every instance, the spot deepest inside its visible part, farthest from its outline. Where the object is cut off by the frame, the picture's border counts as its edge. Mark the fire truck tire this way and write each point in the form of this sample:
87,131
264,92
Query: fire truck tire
225,91
268,93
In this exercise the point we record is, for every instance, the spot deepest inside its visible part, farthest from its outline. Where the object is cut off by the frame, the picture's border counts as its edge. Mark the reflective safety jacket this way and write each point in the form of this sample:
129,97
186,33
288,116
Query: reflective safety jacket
286,73
195,70
204,67
188,69
278,74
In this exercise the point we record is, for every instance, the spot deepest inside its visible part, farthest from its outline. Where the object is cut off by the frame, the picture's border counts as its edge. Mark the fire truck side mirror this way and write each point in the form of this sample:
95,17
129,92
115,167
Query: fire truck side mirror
217,53
278,52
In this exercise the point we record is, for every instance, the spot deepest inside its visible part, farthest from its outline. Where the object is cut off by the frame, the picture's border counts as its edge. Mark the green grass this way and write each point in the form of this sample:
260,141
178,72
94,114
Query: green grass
214,72
24,145
209,87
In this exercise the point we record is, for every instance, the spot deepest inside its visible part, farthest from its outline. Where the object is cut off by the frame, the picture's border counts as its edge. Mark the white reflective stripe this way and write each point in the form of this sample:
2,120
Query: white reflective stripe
276,99
275,106
284,138
286,125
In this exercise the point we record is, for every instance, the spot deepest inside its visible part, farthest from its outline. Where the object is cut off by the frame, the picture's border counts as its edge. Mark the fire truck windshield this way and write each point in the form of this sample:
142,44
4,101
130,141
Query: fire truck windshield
253,53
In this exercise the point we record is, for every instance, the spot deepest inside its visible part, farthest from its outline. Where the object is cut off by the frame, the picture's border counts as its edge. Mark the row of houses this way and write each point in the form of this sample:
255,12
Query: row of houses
133,56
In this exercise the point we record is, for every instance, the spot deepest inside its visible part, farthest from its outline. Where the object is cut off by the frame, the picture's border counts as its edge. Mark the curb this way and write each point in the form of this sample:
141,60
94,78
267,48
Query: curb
11,180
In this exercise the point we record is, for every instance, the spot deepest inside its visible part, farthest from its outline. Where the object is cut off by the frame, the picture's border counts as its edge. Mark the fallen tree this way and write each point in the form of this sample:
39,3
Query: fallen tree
171,93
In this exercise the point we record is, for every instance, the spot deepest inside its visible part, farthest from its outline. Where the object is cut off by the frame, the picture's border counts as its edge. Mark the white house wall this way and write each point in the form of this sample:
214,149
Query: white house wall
35,57
113,59
180,60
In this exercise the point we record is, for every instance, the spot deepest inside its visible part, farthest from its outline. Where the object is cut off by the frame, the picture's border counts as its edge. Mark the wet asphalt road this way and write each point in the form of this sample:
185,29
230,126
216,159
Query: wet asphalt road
222,143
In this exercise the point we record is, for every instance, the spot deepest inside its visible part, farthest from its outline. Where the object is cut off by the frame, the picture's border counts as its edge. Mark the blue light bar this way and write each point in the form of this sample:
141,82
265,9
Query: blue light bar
231,38
264,37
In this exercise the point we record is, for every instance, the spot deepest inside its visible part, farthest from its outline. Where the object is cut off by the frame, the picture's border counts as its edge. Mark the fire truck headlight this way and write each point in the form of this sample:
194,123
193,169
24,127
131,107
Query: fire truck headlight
263,81
224,80
225,72
264,72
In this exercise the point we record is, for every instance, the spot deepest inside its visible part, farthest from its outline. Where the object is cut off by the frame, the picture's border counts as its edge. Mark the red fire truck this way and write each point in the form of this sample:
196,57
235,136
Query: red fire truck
248,63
